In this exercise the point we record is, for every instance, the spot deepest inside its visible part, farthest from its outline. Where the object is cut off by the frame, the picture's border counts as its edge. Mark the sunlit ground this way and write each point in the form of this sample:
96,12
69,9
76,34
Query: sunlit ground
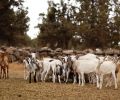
16,88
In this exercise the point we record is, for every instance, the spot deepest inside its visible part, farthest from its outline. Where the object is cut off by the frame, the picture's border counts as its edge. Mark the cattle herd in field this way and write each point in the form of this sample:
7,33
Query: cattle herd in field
93,66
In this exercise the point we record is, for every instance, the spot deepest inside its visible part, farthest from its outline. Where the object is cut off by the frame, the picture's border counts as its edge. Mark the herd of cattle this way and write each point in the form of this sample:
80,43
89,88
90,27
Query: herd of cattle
38,66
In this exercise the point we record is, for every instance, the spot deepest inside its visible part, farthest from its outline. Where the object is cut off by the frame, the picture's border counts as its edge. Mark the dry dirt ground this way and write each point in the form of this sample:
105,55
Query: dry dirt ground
15,88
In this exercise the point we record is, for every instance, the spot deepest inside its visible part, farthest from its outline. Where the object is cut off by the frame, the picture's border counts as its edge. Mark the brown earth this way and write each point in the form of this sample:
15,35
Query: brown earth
15,88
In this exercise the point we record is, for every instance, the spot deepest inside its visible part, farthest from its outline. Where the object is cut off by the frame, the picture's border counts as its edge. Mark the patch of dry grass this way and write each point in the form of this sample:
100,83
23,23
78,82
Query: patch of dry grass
16,88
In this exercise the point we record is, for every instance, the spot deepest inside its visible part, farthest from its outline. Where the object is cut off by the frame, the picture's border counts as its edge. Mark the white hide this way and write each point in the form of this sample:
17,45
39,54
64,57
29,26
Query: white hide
87,56
84,66
55,66
26,69
107,67
100,66
46,69
47,65
33,55
31,67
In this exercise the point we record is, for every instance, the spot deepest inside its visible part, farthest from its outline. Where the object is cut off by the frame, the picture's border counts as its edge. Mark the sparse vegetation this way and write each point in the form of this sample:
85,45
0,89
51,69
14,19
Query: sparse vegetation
16,88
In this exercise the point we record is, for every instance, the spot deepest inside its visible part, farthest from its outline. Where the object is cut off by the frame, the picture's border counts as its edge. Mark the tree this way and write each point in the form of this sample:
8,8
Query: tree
93,18
13,24
57,28
20,27
115,23
90,19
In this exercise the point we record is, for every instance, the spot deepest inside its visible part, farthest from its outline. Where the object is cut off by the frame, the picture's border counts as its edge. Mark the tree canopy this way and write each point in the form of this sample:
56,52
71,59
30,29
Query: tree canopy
82,24
13,23
86,24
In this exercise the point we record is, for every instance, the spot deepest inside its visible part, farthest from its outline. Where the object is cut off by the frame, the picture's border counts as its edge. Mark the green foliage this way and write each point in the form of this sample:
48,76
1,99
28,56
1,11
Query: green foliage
13,24
91,20
57,29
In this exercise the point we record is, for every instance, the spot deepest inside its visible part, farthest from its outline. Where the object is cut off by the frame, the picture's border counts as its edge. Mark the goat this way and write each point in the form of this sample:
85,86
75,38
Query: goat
26,68
110,79
46,68
67,65
70,59
56,67
85,66
4,64
87,56
107,67
31,66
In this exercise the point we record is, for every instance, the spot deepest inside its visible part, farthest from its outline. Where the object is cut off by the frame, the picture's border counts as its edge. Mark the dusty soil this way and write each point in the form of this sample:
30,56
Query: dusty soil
15,88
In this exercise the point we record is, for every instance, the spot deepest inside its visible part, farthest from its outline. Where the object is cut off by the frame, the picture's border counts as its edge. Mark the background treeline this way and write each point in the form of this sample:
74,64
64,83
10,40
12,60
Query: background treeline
83,24
13,23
